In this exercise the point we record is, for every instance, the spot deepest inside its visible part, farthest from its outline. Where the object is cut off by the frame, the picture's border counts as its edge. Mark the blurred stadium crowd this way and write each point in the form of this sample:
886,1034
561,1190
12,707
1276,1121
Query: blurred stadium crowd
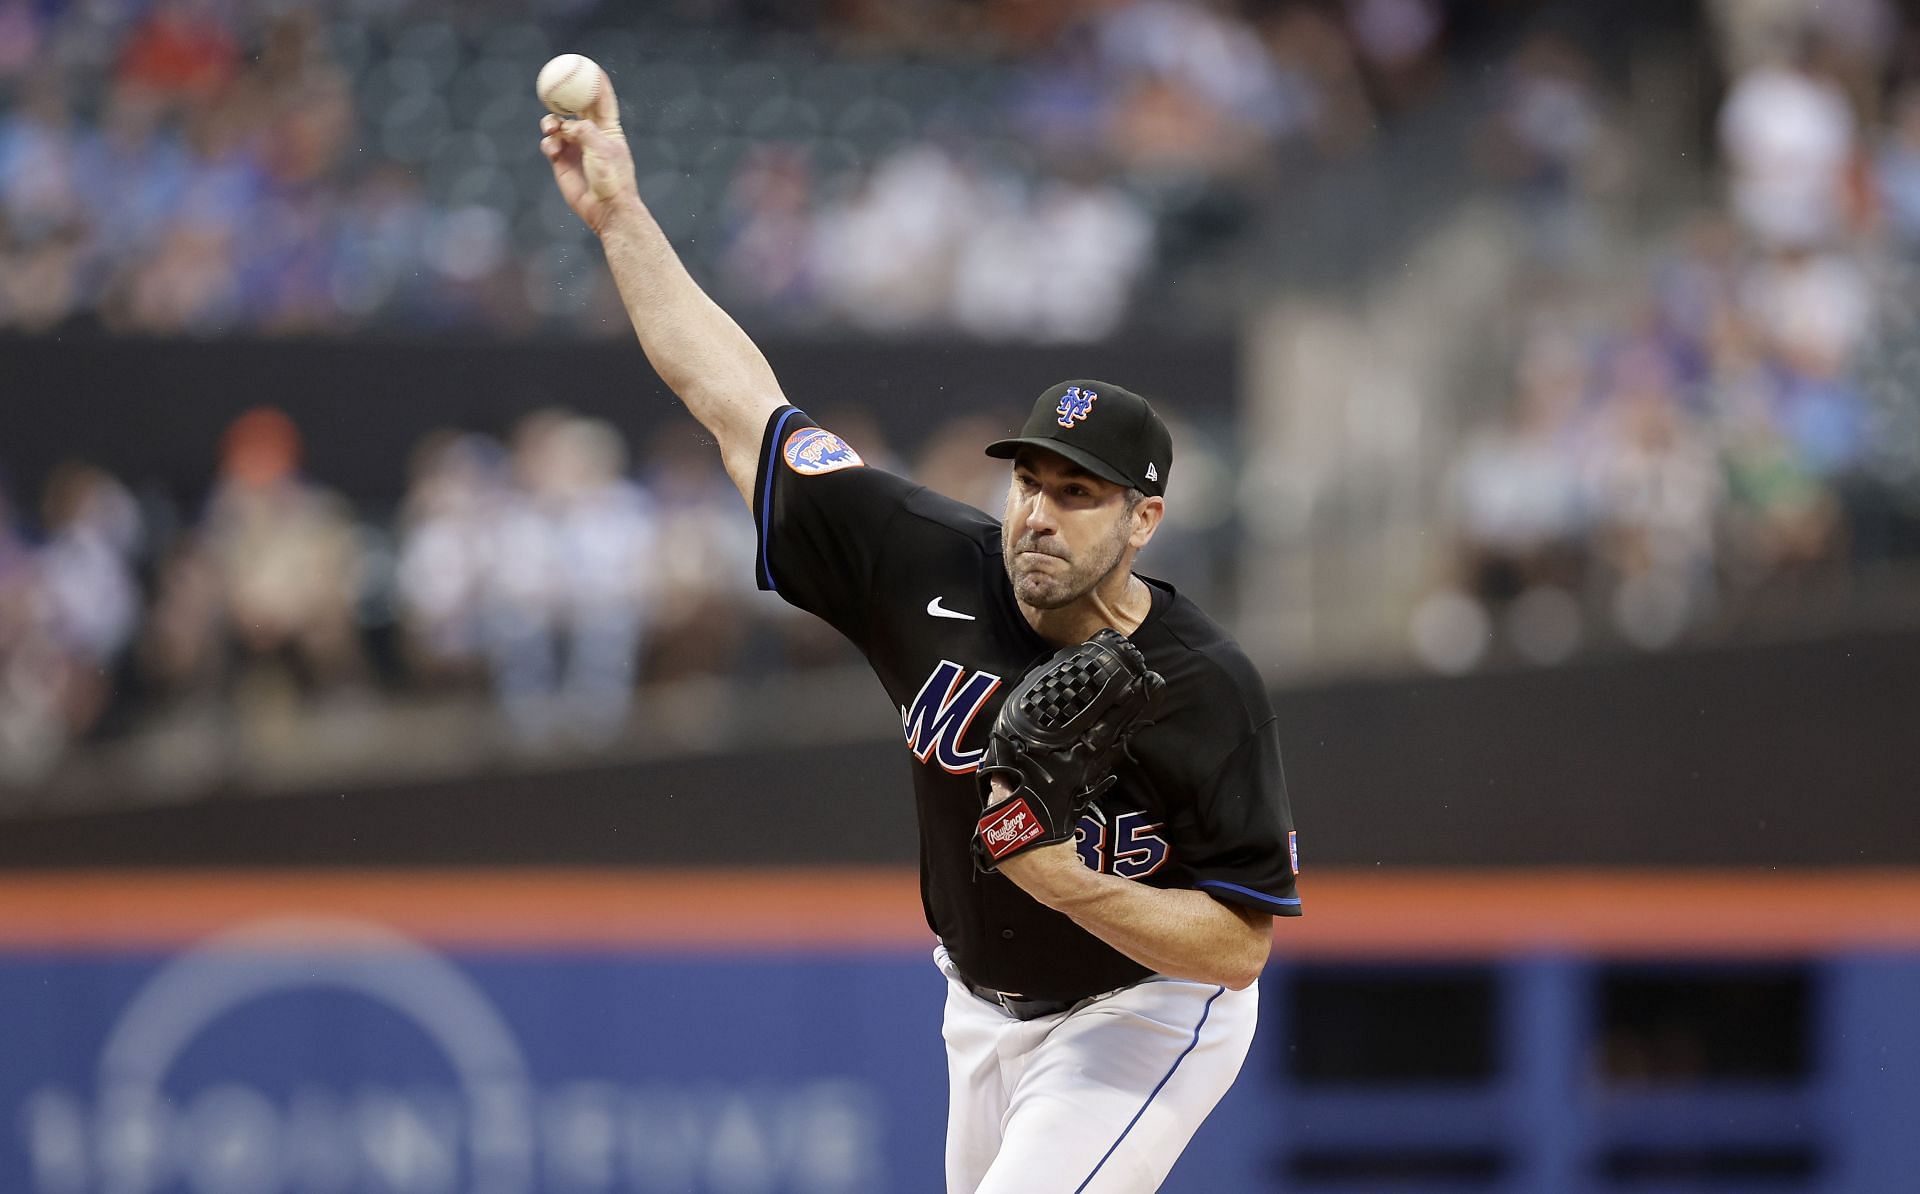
1007,169
1735,426
1693,423
550,574
542,566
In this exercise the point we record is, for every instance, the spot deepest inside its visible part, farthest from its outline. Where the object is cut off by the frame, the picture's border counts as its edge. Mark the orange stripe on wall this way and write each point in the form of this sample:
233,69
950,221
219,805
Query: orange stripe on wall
1426,913
507,909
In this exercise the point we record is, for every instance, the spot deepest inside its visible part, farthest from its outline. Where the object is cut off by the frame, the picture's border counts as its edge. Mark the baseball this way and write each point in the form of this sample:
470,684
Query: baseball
569,84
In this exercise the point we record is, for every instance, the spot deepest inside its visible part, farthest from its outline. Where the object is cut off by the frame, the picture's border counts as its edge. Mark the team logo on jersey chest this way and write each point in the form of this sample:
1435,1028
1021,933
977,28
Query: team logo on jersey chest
811,451
1075,405
941,712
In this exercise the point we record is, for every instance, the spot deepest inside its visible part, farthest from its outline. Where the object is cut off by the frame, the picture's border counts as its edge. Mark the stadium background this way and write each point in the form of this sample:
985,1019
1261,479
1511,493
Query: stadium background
403,789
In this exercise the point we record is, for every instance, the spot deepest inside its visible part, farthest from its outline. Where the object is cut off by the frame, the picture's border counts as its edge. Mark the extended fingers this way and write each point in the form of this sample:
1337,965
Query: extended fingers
604,111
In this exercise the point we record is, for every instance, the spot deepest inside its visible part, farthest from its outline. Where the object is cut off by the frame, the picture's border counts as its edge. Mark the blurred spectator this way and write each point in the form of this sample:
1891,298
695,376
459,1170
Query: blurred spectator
40,191
1851,39
446,539
306,100
189,285
1898,171
885,257
1518,500
40,282
1654,476
567,592
377,255
932,239
92,604
1788,135
1550,144
1201,47
1397,39
1170,136
1194,68
183,48
184,646
1812,309
68,609
147,166
1697,299
1523,515
1318,58
1059,265
769,218
21,27
702,565
1782,519
288,560
29,732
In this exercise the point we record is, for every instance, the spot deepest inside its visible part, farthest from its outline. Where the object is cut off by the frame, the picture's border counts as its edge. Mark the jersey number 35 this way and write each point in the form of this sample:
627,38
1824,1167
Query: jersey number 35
1127,846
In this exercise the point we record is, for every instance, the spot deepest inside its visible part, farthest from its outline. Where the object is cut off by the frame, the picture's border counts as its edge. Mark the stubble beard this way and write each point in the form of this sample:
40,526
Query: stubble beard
1039,590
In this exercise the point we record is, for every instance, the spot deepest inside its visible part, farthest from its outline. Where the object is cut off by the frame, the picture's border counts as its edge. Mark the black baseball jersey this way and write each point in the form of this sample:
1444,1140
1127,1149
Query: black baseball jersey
917,582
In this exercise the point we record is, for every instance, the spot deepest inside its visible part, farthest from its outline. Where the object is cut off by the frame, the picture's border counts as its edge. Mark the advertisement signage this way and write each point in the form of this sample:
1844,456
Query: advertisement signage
335,1057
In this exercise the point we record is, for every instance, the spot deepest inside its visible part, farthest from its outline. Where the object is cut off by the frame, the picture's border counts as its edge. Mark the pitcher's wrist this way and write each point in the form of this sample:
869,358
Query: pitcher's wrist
622,210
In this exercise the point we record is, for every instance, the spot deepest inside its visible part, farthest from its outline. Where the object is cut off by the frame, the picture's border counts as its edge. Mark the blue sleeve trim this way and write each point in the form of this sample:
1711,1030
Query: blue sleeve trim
1282,901
766,494
1204,1013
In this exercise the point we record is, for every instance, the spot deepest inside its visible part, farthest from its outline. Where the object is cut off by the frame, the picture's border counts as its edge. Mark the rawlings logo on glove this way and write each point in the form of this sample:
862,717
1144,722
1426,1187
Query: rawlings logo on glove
1009,826
1055,742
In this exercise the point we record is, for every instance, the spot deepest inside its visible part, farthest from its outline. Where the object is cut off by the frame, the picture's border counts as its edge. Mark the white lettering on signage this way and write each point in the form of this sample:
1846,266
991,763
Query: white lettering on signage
486,1129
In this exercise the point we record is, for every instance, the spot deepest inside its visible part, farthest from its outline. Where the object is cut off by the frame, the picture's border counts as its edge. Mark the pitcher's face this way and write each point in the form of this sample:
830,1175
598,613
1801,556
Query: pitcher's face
1065,530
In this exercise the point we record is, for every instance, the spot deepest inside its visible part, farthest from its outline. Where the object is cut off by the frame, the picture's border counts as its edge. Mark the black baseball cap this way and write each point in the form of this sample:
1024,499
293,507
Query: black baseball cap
1109,431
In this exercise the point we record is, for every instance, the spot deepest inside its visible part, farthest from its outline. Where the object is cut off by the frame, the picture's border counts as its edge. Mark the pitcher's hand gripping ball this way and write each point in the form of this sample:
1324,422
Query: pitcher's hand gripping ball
1056,740
569,85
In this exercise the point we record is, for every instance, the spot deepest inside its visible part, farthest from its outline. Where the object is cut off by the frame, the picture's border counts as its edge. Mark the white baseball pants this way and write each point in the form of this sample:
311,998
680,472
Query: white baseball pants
1096,1100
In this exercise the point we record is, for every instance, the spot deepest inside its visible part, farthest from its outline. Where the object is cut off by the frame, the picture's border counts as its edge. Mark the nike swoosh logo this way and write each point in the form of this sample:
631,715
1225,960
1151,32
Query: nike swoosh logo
940,611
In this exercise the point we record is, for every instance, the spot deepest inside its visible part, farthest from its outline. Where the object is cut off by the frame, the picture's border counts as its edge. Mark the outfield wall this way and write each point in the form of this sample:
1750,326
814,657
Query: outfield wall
737,1031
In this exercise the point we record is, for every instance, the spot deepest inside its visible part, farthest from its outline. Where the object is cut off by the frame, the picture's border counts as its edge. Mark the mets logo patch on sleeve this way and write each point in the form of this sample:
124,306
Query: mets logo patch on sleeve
811,451
1293,850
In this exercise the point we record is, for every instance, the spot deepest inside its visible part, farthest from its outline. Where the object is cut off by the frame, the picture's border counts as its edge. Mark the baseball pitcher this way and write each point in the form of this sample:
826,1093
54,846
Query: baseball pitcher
1104,829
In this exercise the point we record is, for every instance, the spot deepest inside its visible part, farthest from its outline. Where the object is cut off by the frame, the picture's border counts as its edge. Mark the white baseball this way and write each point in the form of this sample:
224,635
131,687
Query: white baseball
569,84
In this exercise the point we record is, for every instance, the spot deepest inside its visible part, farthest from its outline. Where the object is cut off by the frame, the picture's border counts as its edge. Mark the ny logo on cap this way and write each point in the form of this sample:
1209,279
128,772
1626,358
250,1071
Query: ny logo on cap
1075,405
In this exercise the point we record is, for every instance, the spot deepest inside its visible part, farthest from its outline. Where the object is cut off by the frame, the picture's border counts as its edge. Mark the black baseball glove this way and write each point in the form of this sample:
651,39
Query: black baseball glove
1056,740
